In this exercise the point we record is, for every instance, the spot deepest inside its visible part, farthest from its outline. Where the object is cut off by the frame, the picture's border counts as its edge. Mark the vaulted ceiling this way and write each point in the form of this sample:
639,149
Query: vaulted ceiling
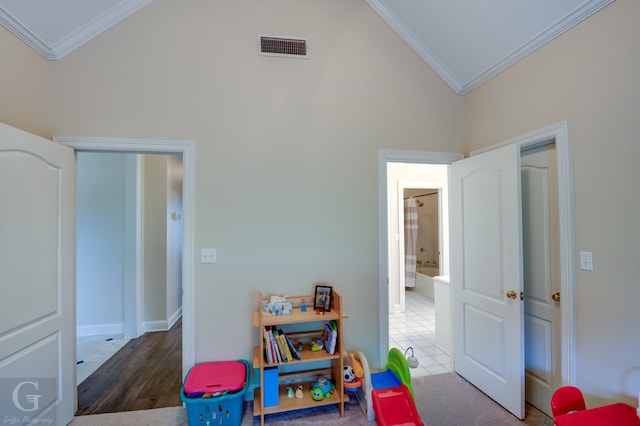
467,42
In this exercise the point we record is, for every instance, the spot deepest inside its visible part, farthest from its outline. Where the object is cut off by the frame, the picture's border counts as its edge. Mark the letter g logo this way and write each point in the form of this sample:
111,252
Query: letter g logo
33,399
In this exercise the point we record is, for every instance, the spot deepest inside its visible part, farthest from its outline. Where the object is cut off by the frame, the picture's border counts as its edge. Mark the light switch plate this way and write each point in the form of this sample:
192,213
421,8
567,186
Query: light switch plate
586,261
208,255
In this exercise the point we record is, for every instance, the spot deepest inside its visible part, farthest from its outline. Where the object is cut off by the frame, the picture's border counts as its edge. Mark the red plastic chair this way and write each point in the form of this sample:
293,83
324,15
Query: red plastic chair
567,399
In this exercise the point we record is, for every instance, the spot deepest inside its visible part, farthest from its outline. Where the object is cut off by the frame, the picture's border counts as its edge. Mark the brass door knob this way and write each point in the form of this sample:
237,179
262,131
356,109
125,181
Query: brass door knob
556,296
511,294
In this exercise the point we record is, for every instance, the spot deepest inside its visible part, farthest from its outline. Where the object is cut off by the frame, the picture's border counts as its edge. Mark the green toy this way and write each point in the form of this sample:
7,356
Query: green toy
322,388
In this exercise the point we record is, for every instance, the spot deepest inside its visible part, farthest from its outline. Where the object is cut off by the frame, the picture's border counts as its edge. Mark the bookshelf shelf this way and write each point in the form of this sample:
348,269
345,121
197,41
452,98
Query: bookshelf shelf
319,363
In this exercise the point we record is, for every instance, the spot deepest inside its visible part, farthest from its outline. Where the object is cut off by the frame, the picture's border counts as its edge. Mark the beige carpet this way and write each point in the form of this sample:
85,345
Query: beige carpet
442,400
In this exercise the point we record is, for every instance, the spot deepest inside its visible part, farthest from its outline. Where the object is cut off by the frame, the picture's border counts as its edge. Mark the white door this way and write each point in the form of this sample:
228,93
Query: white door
37,264
541,251
486,275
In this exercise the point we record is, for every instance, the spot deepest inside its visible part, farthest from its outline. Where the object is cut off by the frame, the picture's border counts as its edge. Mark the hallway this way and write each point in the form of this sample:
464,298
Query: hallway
146,373
416,328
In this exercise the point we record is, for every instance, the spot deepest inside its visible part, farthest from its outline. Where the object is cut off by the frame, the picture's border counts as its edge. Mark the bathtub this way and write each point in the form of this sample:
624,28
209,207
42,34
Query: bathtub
424,280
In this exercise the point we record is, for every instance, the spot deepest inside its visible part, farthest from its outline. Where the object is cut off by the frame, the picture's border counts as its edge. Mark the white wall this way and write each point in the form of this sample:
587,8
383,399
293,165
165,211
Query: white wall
588,76
174,239
100,243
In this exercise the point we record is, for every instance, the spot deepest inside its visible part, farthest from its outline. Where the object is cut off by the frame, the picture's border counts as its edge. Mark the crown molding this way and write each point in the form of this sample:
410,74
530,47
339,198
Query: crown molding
463,87
58,50
416,44
574,18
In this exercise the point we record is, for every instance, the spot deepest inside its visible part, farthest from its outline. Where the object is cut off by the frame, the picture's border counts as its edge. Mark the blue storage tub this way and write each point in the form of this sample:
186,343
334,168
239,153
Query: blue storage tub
225,409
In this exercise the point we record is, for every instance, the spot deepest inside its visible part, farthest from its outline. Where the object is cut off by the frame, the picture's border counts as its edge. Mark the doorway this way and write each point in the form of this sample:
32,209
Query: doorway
413,309
187,151
129,245
558,134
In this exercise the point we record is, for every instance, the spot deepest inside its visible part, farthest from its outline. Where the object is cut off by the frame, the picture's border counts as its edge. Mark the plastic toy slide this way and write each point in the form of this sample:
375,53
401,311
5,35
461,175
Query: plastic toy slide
395,406
387,396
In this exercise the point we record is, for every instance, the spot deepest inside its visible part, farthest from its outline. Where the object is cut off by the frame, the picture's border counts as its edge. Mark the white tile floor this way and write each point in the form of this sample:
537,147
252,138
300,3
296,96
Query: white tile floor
416,328
93,351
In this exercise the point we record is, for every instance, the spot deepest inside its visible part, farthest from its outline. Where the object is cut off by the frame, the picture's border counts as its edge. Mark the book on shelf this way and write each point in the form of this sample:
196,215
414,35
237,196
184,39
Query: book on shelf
276,347
285,346
330,336
268,349
280,346
292,349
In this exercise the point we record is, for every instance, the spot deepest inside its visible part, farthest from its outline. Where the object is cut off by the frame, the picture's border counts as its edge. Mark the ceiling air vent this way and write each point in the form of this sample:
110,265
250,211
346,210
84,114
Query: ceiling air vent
283,46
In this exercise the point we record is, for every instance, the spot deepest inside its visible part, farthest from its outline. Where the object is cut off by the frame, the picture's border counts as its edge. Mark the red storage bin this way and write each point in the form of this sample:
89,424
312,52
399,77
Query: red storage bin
215,378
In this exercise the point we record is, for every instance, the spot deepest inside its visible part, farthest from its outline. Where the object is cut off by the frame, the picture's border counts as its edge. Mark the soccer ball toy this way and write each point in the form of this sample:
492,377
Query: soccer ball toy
348,374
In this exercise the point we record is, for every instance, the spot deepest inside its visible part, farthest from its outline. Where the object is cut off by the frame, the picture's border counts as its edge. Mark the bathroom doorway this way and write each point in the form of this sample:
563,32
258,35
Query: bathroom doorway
422,253
412,303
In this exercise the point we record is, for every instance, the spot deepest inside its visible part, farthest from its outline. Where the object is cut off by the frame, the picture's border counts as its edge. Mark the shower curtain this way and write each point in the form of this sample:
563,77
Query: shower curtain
410,241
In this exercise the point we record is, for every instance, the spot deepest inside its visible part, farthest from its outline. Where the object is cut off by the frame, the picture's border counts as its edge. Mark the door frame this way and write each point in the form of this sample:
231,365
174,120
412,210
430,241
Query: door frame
156,146
558,132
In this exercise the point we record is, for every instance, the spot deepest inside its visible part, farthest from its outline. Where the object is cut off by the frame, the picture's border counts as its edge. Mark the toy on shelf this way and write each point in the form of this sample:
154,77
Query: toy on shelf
317,345
299,393
321,388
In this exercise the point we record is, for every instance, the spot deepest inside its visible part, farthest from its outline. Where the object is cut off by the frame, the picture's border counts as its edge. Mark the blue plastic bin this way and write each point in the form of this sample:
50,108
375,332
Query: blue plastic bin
226,409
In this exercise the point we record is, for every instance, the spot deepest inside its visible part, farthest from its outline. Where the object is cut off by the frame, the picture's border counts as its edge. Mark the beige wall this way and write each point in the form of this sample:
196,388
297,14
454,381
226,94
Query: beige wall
23,84
286,170
590,76
286,149
154,224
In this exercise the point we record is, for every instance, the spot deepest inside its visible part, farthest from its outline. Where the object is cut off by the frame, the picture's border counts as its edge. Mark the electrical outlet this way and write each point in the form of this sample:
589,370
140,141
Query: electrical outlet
586,261
208,255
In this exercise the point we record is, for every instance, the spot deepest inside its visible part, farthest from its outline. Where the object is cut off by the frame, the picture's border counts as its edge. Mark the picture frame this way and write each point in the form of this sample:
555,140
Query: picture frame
322,298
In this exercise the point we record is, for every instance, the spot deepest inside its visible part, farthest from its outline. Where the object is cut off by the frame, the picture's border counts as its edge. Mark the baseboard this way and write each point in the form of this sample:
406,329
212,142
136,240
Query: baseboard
155,325
163,325
173,318
99,329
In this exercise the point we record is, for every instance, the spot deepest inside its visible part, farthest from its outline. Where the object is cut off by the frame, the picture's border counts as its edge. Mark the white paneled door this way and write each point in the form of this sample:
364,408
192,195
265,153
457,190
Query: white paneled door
541,251
486,275
37,272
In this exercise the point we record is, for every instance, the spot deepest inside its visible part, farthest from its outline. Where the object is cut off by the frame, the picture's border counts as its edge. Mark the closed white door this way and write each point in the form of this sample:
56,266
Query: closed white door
541,251
37,270
486,275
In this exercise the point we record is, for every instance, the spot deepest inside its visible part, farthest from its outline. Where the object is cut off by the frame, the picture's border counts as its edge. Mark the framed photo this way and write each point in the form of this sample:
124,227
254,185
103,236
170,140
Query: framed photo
322,300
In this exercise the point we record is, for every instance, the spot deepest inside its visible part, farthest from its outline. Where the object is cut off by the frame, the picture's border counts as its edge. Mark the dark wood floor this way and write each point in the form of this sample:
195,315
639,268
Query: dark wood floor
145,373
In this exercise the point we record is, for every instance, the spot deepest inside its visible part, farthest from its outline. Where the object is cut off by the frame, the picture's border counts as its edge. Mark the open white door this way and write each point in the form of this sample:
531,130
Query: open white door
486,275
37,264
